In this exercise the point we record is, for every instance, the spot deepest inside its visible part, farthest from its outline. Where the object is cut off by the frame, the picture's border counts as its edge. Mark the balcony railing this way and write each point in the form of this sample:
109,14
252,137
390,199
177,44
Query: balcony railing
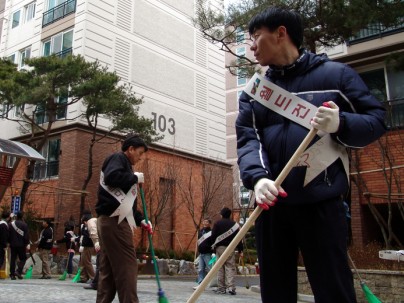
395,113
64,53
44,170
58,12
375,31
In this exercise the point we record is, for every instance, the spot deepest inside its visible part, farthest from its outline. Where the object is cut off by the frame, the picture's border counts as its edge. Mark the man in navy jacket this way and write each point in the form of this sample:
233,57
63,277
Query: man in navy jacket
305,216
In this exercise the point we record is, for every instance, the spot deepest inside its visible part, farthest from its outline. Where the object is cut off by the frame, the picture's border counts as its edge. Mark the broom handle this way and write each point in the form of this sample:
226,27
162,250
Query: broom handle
156,270
253,217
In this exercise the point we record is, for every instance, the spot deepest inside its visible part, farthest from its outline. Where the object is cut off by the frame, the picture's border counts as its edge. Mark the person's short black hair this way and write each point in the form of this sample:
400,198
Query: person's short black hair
135,141
5,214
20,215
48,221
273,17
86,217
225,212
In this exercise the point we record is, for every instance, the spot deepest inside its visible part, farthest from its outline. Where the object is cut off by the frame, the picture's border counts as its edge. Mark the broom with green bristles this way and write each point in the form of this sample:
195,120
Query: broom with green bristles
28,274
76,278
162,298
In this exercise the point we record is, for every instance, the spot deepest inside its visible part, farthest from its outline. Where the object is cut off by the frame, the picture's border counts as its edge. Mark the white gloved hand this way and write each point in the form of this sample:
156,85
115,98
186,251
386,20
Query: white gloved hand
266,192
81,249
73,239
326,118
97,246
147,226
140,177
28,247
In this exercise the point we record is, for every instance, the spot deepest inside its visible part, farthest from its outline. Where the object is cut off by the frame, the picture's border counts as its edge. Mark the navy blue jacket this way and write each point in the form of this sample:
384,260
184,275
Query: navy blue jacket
315,79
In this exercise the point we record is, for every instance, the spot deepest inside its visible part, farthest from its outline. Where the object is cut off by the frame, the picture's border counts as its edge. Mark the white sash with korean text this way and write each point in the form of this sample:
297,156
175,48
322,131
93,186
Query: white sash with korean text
321,154
226,234
126,200
204,237
17,229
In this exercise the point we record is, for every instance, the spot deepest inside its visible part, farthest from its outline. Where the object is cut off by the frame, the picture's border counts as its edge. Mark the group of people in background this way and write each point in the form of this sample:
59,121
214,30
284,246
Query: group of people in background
14,233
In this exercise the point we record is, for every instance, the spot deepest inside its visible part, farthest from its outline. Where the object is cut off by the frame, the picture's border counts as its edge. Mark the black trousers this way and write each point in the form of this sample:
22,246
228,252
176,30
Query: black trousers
19,252
320,232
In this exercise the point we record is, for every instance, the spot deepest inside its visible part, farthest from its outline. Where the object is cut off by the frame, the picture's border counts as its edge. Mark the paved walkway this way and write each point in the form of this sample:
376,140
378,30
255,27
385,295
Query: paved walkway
55,291
177,289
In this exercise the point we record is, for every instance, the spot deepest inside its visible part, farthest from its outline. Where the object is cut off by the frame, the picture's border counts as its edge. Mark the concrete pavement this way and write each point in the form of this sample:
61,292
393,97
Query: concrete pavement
177,289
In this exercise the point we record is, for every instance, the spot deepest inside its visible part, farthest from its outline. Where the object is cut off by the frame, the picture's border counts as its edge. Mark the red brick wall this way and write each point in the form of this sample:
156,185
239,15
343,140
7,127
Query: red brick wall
60,198
371,179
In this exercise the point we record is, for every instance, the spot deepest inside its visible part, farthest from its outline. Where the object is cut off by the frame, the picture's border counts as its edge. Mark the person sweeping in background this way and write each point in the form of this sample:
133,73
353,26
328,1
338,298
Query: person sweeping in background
117,216
69,239
301,215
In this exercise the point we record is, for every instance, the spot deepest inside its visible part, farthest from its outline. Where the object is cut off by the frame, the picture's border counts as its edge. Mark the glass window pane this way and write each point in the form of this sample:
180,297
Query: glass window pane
16,19
57,44
376,83
47,48
395,79
67,40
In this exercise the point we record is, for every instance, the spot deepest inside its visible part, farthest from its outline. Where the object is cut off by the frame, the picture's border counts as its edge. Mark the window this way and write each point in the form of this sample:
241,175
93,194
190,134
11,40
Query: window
240,35
391,91
12,58
50,168
29,12
241,77
41,115
24,54
59,43
16,19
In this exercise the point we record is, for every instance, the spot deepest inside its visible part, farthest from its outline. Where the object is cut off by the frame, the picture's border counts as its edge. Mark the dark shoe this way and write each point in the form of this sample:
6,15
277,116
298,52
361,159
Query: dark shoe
45,277
13,278
232,292
220,291
19,275
90,286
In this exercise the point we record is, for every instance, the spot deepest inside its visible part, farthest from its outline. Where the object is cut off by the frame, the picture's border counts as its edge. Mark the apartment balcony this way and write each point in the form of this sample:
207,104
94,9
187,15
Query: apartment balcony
375,31
395,113
58,12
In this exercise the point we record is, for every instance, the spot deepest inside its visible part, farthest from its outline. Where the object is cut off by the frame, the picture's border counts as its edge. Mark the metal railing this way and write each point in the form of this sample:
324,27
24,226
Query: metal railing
58,12
375,31
395,113
43,170
64,53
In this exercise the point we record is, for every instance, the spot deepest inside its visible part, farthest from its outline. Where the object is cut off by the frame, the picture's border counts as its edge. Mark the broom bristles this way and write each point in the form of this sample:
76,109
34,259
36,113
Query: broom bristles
63,276
77,276
28,274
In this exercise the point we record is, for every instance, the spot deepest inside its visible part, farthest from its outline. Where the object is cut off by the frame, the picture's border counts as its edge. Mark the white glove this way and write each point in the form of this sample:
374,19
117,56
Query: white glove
265,193
81,249
73,239
327,118
28,247
97,246
147,226
140,177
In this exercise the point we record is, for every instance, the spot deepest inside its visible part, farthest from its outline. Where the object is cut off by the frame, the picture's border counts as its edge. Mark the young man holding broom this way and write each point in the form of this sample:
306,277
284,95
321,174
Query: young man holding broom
117,216
307,212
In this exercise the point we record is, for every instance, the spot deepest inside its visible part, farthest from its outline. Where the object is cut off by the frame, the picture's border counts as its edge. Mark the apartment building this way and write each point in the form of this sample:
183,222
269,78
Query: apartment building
368,53
153,46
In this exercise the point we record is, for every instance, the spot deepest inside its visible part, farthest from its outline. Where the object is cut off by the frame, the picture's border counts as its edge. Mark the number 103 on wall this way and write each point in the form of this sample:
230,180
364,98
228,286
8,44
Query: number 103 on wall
163,124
